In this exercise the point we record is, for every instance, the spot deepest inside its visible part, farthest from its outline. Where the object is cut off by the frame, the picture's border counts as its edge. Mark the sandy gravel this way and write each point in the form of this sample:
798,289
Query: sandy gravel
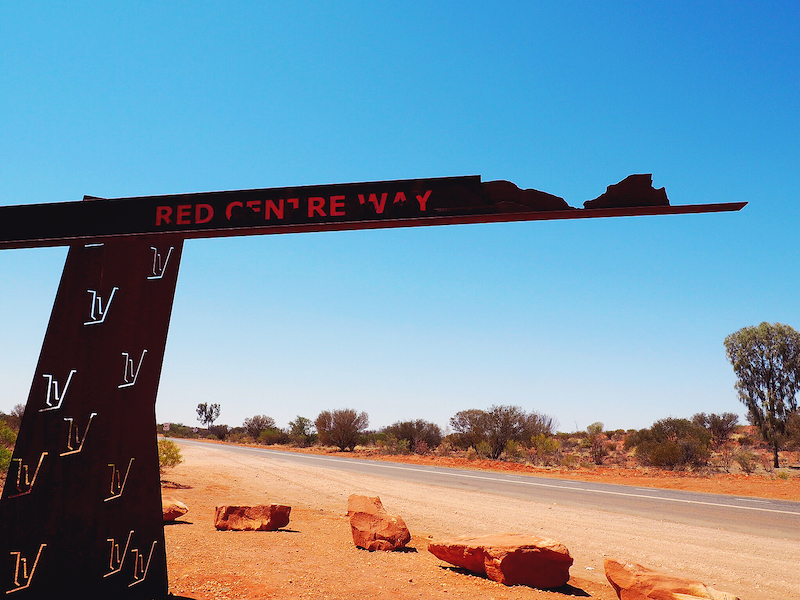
315,557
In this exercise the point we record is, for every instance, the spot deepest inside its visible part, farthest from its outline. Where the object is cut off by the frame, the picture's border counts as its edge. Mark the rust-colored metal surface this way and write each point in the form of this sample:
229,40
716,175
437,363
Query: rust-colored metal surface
382,204
80,515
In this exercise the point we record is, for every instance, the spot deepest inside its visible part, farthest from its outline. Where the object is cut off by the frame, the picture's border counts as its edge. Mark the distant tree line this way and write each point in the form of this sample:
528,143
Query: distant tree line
766,361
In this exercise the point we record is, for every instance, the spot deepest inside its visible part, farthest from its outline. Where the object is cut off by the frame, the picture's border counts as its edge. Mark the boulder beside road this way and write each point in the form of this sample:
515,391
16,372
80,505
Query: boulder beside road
373,528
635,582
509,558
172,508
261,517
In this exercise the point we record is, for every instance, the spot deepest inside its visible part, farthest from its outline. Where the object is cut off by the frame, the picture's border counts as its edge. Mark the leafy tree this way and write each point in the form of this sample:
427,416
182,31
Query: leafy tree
793,430
766,360
504,424
498,426
8,437
419,434
671,443
341,428
169,455
597,445
470,427
301,431
719,426
255,425
16,416
207,413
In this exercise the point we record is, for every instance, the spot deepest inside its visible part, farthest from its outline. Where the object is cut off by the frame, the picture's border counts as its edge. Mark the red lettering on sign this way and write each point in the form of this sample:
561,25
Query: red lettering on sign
379,206
184,216
423,200
295,202
254,205
203,213
337,206
316,205
163,215
269,207
229,209
400,197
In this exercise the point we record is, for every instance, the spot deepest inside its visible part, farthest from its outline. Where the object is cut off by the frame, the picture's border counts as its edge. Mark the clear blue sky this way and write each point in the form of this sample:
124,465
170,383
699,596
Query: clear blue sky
613,320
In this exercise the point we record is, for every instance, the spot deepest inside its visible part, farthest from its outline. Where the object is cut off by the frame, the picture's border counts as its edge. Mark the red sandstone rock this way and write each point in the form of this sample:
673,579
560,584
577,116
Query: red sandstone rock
635,582
373,528
172,508
509,558
261,517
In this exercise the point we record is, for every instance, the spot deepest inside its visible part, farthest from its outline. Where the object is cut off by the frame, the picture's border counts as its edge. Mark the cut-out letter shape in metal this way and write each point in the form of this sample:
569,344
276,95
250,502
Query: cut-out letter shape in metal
22,576
75,443
54,399
117,487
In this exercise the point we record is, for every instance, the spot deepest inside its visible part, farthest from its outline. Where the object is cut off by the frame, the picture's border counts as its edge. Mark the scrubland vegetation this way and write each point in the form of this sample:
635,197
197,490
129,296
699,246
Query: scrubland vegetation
765,359
706,443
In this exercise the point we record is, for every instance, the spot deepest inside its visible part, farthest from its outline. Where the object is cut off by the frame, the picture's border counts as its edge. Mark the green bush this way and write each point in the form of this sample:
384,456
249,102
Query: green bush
746,460
513,452
544,449
5,459
483,449
169,455
273,435
671,443
8,436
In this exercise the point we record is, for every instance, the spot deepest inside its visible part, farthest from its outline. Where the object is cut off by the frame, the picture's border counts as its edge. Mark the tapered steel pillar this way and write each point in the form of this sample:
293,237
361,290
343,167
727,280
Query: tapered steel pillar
80,515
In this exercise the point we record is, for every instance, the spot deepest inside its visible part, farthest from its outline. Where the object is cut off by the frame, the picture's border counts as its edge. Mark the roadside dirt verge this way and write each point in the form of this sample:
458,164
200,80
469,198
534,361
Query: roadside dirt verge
314,556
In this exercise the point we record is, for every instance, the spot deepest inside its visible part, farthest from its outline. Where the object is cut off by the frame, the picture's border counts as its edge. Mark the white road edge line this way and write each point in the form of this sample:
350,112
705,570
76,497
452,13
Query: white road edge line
536,484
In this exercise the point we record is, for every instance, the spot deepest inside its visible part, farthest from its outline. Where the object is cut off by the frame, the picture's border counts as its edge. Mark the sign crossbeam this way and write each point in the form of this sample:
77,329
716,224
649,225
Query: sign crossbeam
337,207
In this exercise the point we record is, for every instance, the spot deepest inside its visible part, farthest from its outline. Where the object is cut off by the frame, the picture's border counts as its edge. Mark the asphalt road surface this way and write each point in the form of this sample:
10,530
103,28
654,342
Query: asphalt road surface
778,519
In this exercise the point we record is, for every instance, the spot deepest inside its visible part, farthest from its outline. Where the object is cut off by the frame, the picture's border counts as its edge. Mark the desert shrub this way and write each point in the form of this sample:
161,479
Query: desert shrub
391,444
5,459
513,452
178,430
745,441
767,463
782,475
255,425
169,455
219,431
597,442
471,453
8,436
421,448
570,461
430,434
721,427
496,426
273,435
484,450
671,443
301,432
237,436
341,428
544,449
746,460
444,449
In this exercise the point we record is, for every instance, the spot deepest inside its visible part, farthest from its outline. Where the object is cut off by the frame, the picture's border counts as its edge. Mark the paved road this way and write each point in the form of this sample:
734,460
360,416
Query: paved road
772,518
